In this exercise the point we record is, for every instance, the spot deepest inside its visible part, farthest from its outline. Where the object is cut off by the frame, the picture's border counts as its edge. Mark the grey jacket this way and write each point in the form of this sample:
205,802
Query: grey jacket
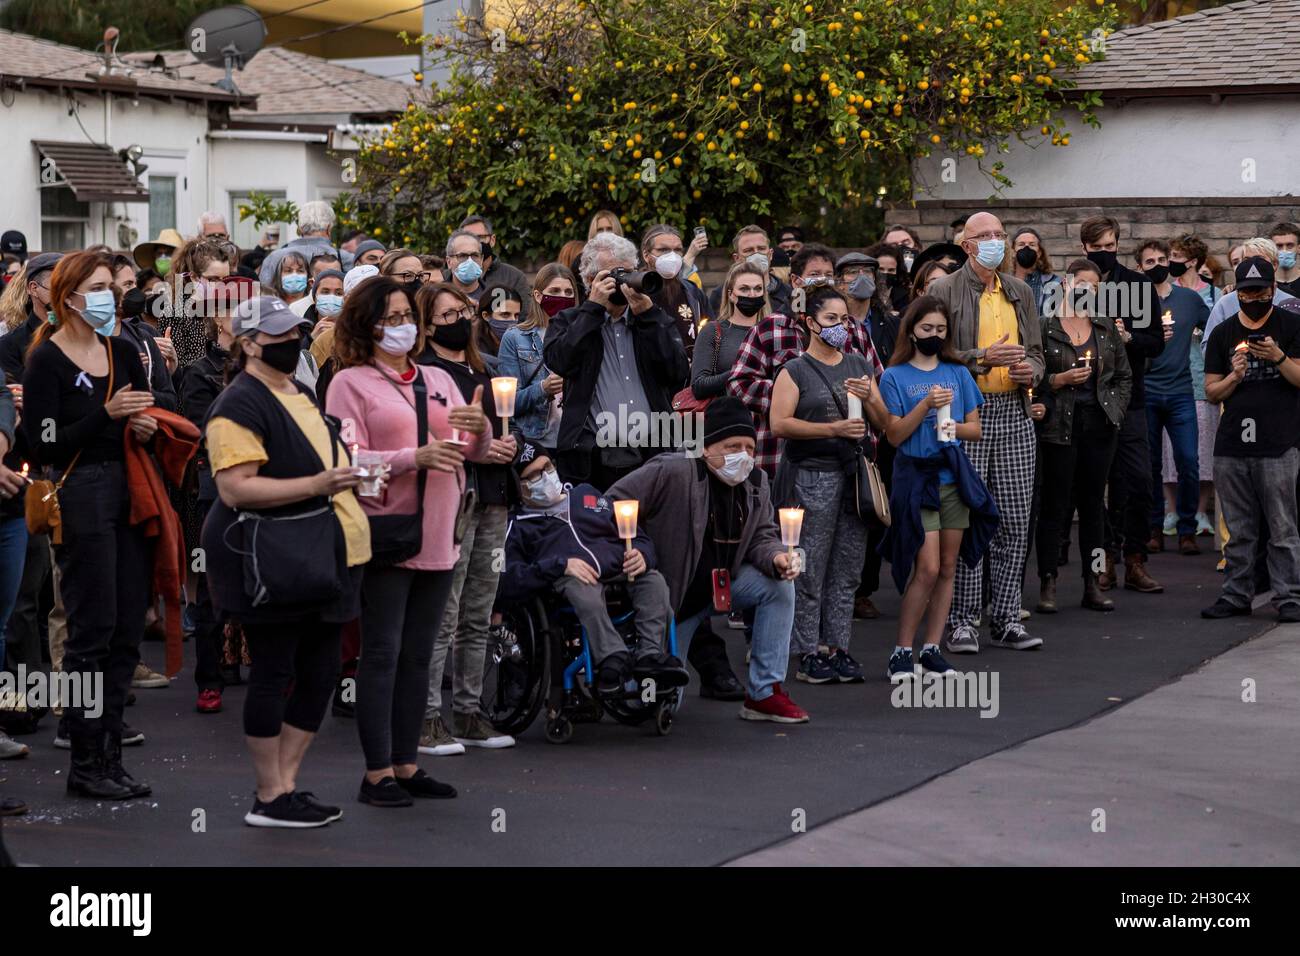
961,292
305,246
667,481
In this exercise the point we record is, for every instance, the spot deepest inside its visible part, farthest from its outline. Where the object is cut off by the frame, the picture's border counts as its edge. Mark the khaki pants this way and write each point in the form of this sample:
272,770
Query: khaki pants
58,626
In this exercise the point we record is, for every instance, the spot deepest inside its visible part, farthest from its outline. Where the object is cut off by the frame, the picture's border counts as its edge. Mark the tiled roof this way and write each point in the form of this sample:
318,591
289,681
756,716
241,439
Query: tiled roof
289,83
1234,47
39,62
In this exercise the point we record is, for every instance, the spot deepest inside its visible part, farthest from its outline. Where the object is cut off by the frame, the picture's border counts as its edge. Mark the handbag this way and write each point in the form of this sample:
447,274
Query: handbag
685,400
398,538
870,499
41,500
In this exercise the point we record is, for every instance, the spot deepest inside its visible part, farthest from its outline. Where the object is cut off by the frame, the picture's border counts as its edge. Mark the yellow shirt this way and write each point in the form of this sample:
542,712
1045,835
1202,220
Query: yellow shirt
997,318
231,444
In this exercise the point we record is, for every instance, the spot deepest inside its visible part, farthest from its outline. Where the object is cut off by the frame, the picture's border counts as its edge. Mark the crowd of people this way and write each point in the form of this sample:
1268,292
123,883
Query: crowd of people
295,456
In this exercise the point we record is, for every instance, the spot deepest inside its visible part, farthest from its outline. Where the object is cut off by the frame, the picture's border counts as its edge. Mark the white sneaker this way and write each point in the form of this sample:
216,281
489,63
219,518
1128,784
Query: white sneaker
963,640
474,730
436,742
11,749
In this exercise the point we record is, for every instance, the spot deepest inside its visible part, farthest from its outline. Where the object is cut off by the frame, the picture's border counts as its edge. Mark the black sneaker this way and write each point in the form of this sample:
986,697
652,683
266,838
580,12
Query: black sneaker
932,662
131,737
1224,608
420,784
664,669
613,673
1015,637
285,811
847,670
721,684
385,793
309,798
1289,613
816,669
901,667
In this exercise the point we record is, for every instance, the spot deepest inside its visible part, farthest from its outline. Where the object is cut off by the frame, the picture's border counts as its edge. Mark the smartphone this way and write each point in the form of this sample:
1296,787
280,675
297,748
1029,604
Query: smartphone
722,590
1255,338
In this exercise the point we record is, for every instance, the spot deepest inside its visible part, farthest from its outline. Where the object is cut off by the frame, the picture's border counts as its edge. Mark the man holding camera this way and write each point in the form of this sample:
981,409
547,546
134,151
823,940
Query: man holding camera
622,360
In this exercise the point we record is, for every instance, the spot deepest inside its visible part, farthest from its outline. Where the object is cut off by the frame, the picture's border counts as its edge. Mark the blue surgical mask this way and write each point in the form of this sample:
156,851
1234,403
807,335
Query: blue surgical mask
101,311
329,305
294,282
469,272
1286,258
991,252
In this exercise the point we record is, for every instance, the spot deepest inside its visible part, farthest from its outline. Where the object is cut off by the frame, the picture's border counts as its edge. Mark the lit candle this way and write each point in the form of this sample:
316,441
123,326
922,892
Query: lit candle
23,473
1087,358
503,390
1167,319
791,525
625,516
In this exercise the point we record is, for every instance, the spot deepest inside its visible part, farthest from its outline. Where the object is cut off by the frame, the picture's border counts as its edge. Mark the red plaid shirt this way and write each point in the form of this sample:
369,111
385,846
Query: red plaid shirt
768,346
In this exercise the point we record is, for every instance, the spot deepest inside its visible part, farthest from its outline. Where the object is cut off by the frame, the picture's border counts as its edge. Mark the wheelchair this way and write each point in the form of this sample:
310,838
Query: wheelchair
540,657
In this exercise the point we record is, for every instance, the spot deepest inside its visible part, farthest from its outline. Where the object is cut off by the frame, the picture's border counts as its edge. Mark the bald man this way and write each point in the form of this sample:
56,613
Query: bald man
994,328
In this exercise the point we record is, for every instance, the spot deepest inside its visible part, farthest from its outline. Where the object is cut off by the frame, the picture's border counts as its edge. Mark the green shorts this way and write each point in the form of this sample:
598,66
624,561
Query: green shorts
952,512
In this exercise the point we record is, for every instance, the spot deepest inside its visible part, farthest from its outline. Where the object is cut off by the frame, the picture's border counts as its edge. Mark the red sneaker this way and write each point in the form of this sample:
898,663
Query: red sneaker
209,702
778,707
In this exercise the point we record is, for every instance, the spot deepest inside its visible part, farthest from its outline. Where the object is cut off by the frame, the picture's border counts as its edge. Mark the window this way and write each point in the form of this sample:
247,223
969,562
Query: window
246,235
63,220
162,203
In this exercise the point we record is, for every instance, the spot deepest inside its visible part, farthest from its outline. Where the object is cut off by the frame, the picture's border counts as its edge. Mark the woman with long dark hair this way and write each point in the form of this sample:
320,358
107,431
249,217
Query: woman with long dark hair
537,401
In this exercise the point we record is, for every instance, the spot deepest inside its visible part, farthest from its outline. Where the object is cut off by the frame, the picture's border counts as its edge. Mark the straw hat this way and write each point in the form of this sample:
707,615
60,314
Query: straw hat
146,253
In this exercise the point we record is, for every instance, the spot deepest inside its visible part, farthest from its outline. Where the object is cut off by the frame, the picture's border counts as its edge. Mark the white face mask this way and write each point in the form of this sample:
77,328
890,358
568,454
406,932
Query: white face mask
398,340
735,467
758,261
544,490
669,265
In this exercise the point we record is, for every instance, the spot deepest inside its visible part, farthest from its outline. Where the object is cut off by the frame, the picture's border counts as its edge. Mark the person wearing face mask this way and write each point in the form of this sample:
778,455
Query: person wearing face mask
28,301
566,540
158,355
743,307
291,282
465,263
537,398
751,245
1286,236
499,310
1188,257
376,390
1251,370
778,338
82,389
941,509
891,274
1087,385
1033,265
326,304
1129,300
273,452
662,250
994,328
819,465
710,519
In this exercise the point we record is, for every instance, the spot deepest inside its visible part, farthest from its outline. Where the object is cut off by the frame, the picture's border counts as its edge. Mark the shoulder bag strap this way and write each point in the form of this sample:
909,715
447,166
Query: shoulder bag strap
812,364
717,344
421,409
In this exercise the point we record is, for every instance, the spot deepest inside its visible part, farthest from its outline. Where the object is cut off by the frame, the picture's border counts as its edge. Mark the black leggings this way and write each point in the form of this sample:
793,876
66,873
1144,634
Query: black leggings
304,653
401,611
1075,473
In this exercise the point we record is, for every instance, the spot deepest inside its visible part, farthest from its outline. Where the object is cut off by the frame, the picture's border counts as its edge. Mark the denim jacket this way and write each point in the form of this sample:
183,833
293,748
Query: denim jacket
520,356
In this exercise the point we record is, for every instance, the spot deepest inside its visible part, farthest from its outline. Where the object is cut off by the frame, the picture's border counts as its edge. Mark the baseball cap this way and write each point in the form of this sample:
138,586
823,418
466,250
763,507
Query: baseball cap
356,275
265,313
14,243
1256,272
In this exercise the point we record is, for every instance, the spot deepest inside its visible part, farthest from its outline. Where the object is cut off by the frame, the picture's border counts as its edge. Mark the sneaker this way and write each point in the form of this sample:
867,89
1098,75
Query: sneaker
61,739
1224,608
1288,613
420,784
309,798
285,811
613,674
1171,525
11,749
847,670
664,669
12,807
436,742
932,662
964,639
736,620
864,610
131,737
815,669
147,679
473,730
385,793
778,707
1203,525
209,701
1025,614
901,666
1015,637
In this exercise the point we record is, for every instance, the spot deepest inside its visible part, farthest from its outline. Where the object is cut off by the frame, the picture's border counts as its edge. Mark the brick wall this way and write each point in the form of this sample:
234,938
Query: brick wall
1221,223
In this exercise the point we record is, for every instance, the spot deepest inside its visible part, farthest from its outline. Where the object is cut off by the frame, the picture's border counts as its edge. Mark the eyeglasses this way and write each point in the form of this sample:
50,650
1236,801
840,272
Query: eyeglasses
398,318
453,315
457,256
852,272
405,277
985,236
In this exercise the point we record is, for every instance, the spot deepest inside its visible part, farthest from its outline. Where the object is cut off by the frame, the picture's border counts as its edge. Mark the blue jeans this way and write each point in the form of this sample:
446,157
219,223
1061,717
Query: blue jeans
773,601
13,552
1176,414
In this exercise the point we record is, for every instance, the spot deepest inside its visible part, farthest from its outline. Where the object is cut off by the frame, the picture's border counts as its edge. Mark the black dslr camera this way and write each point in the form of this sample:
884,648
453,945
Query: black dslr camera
647,283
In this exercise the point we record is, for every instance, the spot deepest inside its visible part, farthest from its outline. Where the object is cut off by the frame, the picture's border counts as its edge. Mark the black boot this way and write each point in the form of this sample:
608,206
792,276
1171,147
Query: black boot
88,777
113,765
1093,597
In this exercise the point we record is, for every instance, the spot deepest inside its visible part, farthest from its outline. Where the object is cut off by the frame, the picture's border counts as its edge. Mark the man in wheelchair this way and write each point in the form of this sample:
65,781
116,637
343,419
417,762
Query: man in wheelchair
570,544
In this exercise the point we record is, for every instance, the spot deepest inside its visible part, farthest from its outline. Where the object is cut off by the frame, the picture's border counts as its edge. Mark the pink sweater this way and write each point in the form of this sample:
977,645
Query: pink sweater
377,417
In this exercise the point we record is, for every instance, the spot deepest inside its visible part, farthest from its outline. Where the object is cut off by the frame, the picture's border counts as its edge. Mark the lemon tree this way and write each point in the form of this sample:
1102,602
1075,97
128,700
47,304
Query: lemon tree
716,112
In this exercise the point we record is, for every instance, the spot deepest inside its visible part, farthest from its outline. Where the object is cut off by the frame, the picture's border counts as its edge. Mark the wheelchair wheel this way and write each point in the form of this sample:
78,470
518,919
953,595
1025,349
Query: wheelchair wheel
516,670
663,718
559,730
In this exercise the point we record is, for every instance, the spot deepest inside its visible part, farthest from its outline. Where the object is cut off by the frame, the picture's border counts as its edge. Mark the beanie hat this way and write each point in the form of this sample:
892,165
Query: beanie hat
725,418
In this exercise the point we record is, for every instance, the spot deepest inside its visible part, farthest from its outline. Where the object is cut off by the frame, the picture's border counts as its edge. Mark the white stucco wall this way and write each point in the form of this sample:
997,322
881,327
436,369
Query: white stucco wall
173,130
1156,148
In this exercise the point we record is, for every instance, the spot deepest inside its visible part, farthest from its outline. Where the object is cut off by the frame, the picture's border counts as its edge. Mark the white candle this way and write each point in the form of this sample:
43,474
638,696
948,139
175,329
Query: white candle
503,390
791,525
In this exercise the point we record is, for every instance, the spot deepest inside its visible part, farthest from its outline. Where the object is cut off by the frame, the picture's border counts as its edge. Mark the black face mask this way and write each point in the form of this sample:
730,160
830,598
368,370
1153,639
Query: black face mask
1255,310
1176,269
1104,260
748,305
413,287
282,356
928,345
1026,257
1158,274
454,336
134,303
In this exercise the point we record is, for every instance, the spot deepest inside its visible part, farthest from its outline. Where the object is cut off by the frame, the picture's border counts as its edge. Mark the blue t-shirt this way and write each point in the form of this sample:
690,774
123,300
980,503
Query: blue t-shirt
903,386
1170,372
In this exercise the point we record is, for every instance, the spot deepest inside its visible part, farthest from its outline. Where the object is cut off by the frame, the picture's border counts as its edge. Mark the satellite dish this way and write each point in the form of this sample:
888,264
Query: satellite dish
227,37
